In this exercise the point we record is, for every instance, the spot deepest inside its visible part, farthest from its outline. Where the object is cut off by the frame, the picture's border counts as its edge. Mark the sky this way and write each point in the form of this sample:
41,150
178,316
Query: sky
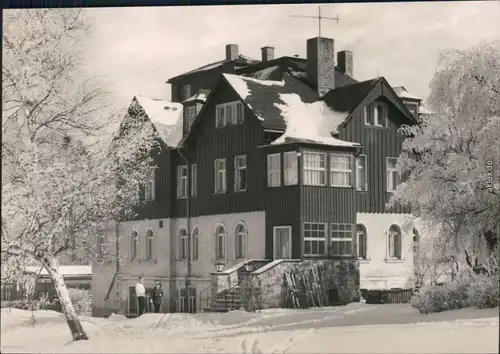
135,50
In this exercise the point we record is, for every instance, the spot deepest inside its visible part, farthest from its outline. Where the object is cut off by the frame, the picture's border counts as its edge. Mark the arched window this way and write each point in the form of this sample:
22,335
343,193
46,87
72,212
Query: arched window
134,242
195,244
240,236
220,242
150,245
394,242
361,241
183,244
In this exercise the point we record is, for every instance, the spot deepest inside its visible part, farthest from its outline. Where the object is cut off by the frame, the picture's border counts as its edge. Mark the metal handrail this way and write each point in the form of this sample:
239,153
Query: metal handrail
225,293
208,296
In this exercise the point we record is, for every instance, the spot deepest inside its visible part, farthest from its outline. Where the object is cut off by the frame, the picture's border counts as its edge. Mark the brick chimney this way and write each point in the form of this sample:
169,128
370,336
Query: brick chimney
267,53
231,51
321,63
345,62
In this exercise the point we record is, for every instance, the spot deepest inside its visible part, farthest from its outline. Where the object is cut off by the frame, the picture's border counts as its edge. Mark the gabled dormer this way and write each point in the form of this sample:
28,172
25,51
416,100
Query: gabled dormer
192,106
410,101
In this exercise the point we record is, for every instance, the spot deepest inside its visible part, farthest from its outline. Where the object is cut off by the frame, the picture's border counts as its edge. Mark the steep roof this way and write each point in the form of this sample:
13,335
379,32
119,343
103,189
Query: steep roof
347,98
238,61
402,92
276,68
165,116
291,106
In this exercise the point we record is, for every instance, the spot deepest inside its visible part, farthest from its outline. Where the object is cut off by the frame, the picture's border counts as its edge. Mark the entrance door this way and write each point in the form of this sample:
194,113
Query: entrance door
282,242
133,306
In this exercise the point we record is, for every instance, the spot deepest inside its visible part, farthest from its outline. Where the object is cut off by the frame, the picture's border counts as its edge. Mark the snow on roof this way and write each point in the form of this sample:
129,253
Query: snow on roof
71,270
310,122
265,73
200,95
403,93
239,84
423,110
166,116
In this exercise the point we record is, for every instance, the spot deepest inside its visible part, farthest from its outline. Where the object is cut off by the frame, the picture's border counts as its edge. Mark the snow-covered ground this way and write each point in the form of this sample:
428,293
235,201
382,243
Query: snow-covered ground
356,328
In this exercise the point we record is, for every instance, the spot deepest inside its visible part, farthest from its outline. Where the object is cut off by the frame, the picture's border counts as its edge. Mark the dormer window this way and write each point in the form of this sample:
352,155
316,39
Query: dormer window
229,113
190,115
412,107
186,92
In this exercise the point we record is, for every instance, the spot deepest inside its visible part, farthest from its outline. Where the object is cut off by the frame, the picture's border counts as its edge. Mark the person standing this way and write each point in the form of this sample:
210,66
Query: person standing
157,296
140,292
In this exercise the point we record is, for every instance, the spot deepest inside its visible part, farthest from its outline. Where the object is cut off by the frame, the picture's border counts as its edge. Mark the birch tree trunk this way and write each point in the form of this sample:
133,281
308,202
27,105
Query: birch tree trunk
67,306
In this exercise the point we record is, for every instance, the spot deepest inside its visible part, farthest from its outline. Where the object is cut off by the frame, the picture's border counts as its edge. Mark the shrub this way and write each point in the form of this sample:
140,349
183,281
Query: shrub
43,303
82,301
467,289
484,292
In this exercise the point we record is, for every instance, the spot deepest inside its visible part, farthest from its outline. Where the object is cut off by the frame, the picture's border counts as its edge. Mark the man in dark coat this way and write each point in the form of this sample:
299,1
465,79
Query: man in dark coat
157,296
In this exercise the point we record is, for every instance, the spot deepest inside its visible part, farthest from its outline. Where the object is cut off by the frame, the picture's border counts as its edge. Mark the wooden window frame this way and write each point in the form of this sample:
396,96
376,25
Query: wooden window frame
315,240
218,173
276,172
311,169
344,171
362,169
291,168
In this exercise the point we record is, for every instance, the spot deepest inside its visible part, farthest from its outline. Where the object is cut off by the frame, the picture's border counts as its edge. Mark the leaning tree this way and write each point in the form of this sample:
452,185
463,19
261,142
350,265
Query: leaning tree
63,183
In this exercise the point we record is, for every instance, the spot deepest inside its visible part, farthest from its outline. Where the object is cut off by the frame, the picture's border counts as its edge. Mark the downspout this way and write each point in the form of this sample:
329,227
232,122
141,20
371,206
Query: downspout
188,226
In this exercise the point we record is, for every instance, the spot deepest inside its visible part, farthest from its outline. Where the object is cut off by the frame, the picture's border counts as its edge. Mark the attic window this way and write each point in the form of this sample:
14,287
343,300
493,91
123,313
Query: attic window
186,92
376,114
412,107
229,113
190,115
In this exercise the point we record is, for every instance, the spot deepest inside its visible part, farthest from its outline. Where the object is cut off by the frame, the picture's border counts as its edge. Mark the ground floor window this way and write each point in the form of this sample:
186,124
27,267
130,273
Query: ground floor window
314,239
341,239
361,241
282,242
187,304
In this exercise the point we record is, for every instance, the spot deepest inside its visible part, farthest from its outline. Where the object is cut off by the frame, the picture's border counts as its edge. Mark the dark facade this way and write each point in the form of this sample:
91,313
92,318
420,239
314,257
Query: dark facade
291,205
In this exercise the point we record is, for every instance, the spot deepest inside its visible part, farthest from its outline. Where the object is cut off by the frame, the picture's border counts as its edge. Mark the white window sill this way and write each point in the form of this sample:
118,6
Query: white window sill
394,260
335,186
181,197
240,190
151,261
364,261
361,190
220,193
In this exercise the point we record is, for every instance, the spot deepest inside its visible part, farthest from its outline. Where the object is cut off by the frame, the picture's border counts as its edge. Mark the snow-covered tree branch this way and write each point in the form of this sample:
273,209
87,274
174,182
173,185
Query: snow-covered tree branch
60,190
453,156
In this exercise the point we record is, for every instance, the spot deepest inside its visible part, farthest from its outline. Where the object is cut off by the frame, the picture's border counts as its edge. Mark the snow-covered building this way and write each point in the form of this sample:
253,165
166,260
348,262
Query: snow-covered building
412,102
274,161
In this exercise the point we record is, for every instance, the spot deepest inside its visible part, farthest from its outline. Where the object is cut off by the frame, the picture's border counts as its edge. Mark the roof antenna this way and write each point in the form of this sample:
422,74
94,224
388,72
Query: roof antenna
378,73
319,18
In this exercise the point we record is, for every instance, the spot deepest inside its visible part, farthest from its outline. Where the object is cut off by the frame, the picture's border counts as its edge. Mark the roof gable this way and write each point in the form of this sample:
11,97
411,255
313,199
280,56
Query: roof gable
165,116
351,98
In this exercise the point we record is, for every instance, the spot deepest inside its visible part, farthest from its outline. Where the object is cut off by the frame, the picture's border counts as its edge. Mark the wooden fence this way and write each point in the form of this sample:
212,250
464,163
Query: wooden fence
392,296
